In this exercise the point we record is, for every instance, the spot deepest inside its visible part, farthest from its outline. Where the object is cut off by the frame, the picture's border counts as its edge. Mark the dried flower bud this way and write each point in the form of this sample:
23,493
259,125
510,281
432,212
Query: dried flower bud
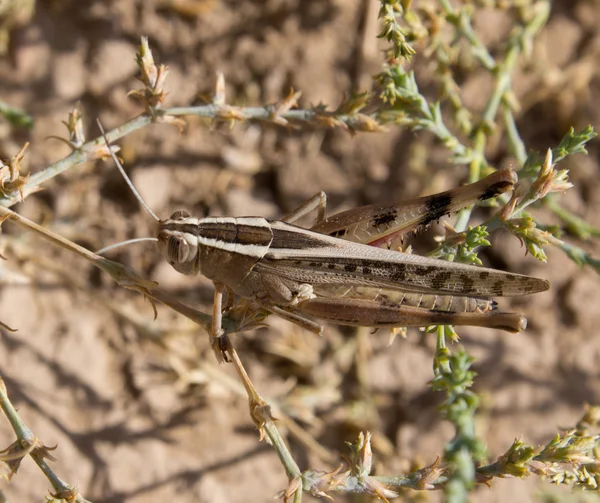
153,77
219,96
10,175
75,127
283,106
550,180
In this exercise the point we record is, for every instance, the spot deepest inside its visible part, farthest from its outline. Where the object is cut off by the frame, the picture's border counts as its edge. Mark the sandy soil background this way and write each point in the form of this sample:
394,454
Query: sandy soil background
139,409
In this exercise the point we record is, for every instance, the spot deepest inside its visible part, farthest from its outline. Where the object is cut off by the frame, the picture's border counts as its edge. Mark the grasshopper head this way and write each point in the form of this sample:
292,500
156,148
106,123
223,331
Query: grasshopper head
178,242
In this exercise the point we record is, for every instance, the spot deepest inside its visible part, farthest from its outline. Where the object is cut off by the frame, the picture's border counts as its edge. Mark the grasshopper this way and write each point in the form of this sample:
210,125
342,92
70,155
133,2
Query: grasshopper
336,272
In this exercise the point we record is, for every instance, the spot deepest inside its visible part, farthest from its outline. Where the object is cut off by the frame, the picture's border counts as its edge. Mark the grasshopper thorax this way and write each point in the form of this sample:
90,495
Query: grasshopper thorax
223,249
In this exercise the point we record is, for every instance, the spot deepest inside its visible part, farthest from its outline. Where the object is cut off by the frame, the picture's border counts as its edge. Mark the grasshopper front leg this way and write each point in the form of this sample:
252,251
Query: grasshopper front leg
218,339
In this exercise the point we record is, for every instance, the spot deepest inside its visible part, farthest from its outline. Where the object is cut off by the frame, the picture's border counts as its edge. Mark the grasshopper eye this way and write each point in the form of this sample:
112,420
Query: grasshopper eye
178,250
179,215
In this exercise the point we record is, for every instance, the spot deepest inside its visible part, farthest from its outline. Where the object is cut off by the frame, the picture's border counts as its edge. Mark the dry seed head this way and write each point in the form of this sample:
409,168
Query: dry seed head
219,96
152,76
75,127
10,175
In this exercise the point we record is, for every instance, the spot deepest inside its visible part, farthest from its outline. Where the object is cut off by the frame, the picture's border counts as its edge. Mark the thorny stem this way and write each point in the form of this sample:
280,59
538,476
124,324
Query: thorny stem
260,412
252,113
568,458
22,432
123,275
84,153
410,481
291,468
25,437
58,484
76,157
57,239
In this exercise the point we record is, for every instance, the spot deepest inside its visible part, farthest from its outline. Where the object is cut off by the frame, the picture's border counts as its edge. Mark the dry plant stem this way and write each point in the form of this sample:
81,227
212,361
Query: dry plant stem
255,113
65,277
413,480
125,276
261,415
23,433
86,151
142,323
25,437
58,240
76,157
199,318
568,458
294,429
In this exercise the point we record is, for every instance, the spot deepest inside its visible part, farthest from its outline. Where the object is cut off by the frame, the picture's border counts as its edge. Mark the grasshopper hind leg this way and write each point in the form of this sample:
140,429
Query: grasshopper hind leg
297,318
317,202
371,313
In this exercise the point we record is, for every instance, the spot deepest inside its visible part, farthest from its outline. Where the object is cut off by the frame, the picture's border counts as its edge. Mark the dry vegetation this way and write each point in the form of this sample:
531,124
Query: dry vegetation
139,408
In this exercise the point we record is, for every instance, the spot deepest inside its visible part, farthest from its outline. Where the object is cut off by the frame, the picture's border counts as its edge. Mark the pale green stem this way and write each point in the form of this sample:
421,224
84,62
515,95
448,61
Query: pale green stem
463,25
82,155
26,437
502,85
514,138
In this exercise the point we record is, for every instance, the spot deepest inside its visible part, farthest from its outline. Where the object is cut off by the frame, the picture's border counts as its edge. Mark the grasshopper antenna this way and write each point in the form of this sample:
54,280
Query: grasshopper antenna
122,170
133,189
123,243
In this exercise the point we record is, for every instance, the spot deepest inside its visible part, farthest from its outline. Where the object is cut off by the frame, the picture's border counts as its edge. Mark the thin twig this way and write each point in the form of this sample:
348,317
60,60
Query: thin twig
28,443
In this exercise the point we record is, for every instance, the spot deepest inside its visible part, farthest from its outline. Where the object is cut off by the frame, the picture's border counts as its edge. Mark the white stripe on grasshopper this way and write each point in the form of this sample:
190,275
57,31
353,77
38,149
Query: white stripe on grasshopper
256,251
